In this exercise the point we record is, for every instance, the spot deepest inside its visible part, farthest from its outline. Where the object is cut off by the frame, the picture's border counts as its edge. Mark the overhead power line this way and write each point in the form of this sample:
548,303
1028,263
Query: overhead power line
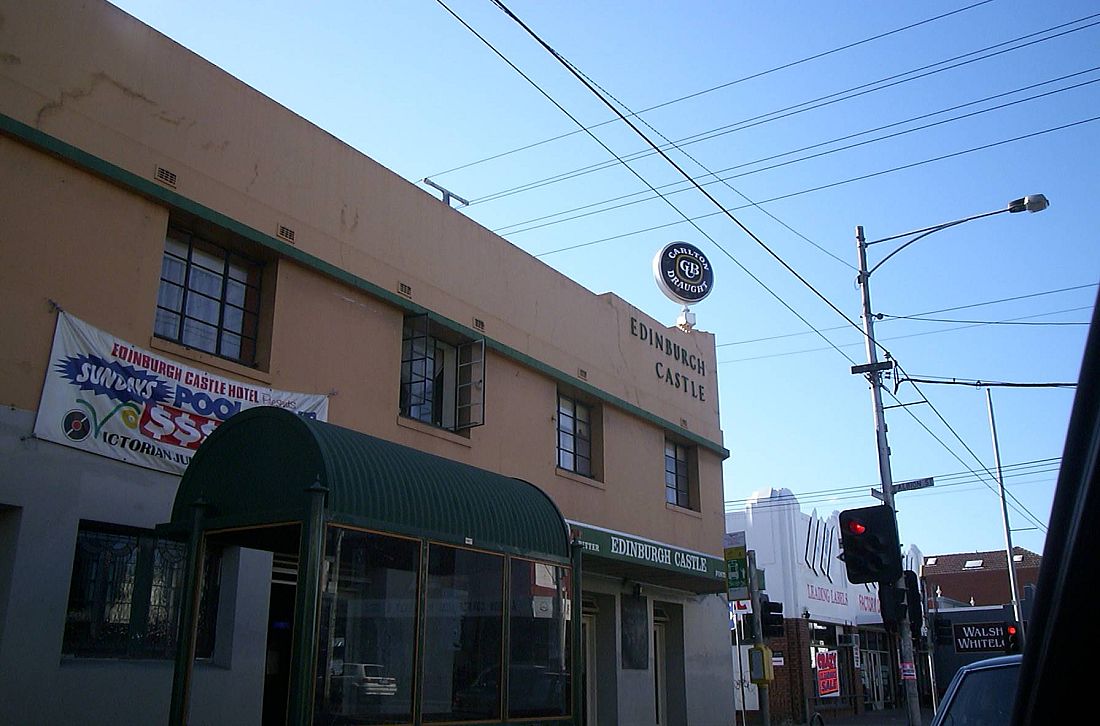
981,384
927,312
727,84
819,102
884,340
626,200
945,484
830,185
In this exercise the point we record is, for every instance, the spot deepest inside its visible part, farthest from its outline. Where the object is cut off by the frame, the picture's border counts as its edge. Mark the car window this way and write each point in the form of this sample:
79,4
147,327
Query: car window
984,698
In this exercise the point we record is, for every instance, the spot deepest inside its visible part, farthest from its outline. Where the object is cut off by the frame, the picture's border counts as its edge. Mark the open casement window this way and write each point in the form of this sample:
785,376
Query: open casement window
442,376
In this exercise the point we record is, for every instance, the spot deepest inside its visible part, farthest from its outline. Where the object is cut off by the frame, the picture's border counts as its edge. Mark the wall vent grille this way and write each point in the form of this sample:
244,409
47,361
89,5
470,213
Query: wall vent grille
166,177
404,289
286,233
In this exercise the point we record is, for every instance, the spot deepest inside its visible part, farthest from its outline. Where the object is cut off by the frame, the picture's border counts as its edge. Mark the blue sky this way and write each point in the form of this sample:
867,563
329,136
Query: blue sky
947,109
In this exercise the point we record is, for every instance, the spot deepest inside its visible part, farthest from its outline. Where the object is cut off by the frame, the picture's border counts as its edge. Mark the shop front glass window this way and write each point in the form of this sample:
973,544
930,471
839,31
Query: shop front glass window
539,667
463,635
367,636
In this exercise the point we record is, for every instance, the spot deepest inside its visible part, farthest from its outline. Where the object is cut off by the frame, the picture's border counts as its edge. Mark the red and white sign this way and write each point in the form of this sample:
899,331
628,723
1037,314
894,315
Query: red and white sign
828,675
108,397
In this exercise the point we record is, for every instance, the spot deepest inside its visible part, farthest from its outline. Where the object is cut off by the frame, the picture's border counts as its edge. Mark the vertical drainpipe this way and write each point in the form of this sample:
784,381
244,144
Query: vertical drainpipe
185,633
303,649
576,646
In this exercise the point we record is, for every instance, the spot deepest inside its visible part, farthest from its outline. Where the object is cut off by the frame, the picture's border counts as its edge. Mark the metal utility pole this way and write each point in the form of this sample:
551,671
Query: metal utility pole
1004,517
758,636
873,371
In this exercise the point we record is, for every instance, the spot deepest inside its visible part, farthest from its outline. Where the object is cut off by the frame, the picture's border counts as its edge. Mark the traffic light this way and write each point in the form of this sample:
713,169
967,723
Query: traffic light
869,538
891,604
942,631
1012,638
771,618
913,601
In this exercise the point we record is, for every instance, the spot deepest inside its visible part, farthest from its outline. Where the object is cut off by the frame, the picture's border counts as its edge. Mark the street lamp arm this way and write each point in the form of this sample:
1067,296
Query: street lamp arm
923,231
924,234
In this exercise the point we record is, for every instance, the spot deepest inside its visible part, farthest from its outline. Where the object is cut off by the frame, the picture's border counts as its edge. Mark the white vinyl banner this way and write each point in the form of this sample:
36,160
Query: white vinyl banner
109,397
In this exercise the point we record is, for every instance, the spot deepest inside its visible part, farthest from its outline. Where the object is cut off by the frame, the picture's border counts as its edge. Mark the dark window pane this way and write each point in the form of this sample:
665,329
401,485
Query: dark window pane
463,634
539,663
367,634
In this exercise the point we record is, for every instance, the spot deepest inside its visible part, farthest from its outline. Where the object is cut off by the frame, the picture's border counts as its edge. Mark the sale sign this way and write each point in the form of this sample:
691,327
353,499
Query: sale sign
828,675
109,397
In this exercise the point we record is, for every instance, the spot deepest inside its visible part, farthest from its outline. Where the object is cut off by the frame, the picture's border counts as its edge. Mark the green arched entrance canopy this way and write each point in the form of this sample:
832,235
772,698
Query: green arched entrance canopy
270,479
258,467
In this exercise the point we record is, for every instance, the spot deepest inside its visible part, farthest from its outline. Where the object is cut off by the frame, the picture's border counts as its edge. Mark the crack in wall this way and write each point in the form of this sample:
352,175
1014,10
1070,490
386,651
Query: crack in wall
99,78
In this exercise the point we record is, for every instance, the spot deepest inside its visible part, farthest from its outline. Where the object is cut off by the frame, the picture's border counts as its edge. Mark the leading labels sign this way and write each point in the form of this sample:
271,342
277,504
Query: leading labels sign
683,273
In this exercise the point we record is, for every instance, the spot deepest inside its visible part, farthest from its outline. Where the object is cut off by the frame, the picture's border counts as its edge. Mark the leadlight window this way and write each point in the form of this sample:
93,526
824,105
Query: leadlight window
442,376
209,298
126,593
677,475
574,436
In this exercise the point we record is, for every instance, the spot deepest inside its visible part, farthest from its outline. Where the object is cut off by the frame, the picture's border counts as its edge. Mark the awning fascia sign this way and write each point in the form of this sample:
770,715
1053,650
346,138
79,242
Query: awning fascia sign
612,545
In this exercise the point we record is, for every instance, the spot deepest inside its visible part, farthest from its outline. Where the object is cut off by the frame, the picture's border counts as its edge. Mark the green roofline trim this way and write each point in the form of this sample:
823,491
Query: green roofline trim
149,189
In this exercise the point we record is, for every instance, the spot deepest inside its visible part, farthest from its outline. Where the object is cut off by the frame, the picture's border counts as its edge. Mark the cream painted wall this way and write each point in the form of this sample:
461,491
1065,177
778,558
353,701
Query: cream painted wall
125,94
109,85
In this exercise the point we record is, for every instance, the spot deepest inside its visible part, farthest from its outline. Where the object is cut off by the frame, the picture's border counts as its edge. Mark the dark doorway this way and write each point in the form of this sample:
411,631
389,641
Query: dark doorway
280,626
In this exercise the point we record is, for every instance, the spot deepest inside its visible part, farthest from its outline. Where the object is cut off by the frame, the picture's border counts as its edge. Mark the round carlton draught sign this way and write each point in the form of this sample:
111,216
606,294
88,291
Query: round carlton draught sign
683,273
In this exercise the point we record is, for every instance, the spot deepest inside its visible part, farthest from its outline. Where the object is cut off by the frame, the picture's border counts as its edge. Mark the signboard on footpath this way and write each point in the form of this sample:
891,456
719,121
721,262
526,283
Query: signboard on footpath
106,396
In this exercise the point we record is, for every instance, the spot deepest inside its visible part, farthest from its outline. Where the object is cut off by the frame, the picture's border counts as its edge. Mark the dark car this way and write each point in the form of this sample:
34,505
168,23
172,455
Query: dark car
981,693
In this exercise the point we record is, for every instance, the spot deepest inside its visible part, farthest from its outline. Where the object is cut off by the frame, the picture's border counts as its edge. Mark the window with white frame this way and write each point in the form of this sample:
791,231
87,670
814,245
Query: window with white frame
209,297
442,376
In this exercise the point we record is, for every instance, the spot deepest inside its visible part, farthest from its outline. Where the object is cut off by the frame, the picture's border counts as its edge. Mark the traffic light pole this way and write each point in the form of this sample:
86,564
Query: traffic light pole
873,370
758,635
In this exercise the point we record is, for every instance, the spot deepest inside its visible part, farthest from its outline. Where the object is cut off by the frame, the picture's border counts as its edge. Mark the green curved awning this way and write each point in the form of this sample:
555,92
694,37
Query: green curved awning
256,469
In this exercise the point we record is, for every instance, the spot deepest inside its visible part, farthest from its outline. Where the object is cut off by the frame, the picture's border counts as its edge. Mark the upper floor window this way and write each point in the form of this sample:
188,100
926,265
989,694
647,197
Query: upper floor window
126,592
681,486
576,427
209,297
442,376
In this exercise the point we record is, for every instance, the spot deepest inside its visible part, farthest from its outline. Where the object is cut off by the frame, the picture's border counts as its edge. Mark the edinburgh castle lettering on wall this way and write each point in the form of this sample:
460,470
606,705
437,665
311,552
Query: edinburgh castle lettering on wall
680,368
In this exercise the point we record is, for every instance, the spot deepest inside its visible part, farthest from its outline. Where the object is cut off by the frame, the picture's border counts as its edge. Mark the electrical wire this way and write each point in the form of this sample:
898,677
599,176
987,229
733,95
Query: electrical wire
727,84
927,312
821,187
530,224
820,102
981,384
885,340
942,482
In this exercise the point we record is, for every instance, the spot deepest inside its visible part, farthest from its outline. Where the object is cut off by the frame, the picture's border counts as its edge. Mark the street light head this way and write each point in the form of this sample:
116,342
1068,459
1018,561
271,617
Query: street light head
1030,203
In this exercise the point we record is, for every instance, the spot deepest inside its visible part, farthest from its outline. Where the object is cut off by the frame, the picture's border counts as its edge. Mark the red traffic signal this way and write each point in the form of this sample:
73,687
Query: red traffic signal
856,527
1012,638
869,538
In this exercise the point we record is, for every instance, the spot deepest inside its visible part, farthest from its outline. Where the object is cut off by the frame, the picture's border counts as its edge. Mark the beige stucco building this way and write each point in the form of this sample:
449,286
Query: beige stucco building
224,243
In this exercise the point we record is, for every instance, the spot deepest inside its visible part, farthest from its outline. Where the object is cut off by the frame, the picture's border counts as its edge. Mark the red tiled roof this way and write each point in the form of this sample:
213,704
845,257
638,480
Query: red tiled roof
992,560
